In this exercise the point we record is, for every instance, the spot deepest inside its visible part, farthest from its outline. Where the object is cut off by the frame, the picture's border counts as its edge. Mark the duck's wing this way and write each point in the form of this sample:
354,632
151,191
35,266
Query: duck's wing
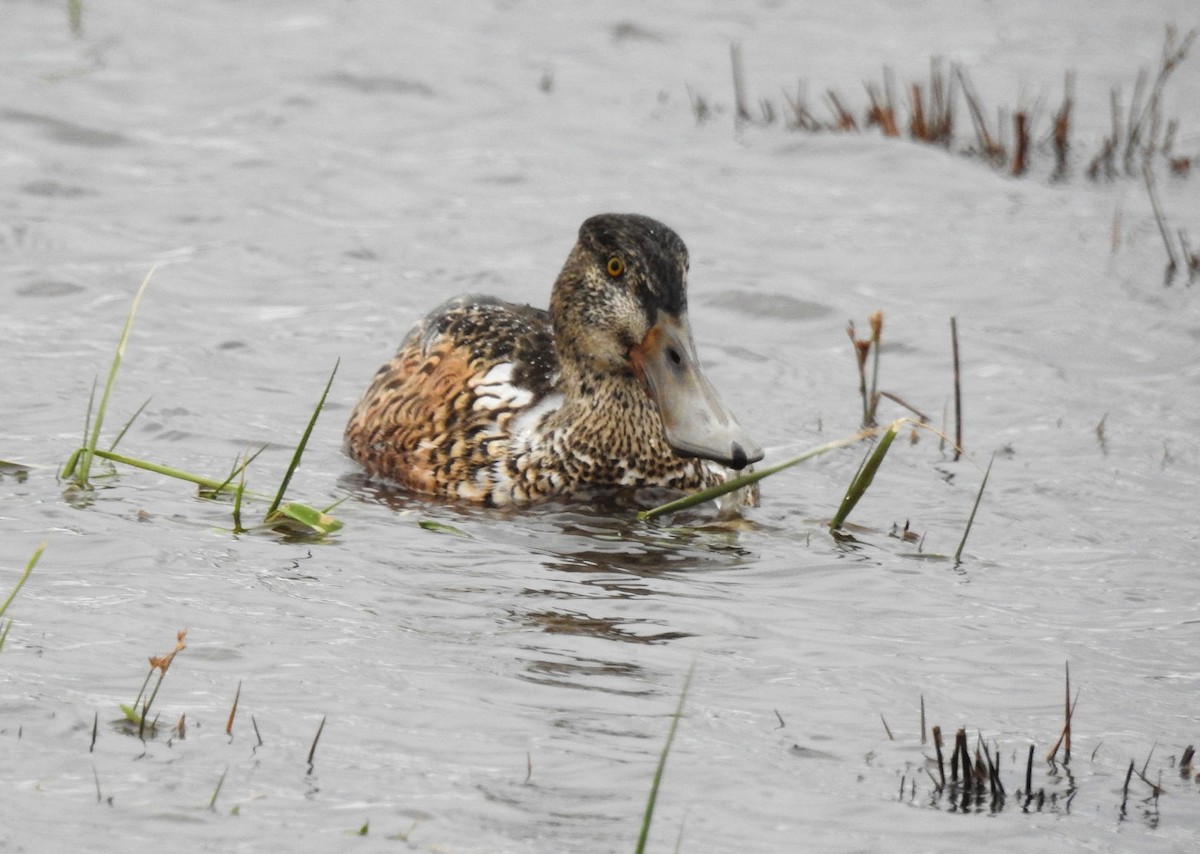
440,412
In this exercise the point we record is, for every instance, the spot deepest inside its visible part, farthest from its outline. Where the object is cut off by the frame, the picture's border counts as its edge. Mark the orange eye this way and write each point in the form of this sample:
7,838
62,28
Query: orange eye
616,266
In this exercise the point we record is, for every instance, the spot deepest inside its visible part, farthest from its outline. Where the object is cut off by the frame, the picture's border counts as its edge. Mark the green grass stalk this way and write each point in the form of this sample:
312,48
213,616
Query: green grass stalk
753,477
295,464
32,562
866,474
971,519
89,447
662,763
75,22
237,508
212,802
209,483
162,664
128,424
68,471
239,469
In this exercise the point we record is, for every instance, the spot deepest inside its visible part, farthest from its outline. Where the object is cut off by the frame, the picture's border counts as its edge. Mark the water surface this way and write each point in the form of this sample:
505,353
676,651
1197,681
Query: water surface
309,178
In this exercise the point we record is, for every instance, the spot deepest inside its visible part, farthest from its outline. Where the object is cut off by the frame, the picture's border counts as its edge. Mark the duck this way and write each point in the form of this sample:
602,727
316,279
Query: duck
498,404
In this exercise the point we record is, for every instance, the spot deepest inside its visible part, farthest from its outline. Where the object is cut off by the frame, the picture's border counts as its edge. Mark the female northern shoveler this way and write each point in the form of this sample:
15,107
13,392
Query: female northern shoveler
499,403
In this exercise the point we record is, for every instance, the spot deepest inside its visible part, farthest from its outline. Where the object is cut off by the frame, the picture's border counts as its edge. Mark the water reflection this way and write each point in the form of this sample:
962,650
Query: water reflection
599,576
602,536
609,628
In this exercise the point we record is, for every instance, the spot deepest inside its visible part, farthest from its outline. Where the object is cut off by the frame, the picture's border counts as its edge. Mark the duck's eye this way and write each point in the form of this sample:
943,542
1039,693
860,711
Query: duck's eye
616,266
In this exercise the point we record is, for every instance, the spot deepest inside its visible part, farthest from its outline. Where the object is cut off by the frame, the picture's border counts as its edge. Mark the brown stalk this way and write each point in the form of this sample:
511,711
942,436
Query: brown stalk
1020,162
233,711
937,746
941,94
1065,735
958,440
964,755
802,117
312,751
843,119
1062,129
1173,54
1173,264
882,111
918,125
741,113
991,148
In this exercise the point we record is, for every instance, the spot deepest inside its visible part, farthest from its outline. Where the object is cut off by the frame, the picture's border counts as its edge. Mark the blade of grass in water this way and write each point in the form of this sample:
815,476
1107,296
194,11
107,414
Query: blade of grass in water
72,464
212,802
971,519
128,424
89,449
295,464
209,483
662,763
239,469
309,519
24,575
442,528
753,477
862,481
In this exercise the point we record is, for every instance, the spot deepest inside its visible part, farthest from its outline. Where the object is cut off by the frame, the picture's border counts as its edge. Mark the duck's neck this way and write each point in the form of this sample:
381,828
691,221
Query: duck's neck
609,433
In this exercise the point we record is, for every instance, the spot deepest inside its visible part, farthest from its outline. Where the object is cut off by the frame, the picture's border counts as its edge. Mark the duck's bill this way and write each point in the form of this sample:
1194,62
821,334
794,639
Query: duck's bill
696,420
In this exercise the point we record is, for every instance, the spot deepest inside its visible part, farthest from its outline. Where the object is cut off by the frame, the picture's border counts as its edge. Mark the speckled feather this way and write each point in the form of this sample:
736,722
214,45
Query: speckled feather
479,405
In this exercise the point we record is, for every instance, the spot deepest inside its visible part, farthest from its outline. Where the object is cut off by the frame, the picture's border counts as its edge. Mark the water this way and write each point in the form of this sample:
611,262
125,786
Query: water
308,178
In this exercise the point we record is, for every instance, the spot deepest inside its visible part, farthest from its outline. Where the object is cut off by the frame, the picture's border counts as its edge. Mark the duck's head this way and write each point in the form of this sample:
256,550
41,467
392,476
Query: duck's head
619,308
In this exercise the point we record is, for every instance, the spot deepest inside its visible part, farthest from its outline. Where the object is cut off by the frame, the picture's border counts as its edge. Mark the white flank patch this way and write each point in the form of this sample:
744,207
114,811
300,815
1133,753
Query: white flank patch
496,391
525,423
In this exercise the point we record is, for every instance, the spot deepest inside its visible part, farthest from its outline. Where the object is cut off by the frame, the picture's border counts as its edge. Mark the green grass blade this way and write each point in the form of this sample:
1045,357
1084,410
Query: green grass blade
24,575
237,509
971,519
128,424
75,17
239,469
72,464
200,480
212,802
442,528
89,448
295,464
662,763
753,477
862,481
304,518
334,504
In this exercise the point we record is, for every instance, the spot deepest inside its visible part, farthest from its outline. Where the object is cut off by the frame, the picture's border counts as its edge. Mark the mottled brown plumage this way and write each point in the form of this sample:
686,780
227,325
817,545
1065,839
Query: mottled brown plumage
498,403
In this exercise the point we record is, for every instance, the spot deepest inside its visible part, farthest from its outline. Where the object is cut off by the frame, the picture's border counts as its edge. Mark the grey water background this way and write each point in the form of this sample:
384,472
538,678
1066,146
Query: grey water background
307,178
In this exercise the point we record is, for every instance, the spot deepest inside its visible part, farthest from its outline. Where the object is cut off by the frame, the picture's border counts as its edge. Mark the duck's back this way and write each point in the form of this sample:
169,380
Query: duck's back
439,414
